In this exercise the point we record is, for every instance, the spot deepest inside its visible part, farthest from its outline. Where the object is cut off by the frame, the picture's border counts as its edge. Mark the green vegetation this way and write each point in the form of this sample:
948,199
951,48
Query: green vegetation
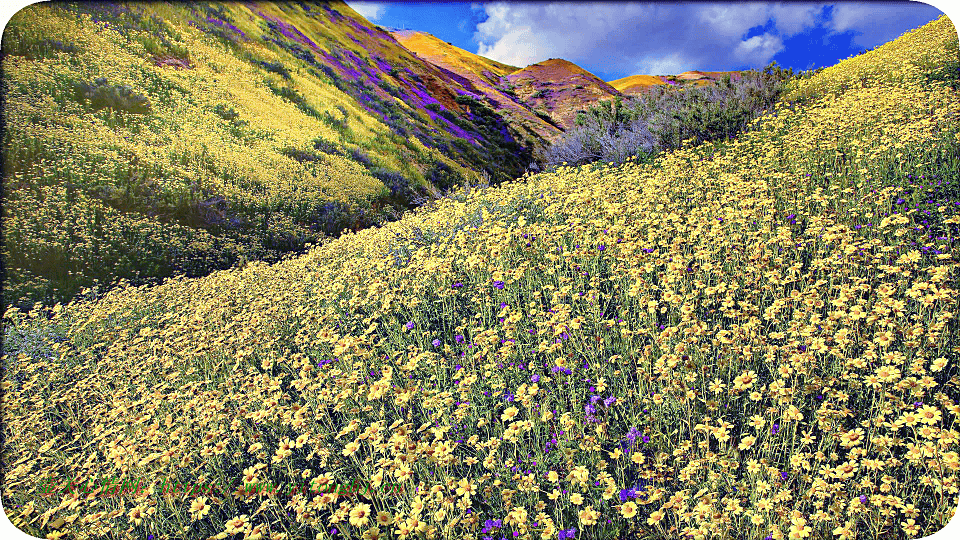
666,117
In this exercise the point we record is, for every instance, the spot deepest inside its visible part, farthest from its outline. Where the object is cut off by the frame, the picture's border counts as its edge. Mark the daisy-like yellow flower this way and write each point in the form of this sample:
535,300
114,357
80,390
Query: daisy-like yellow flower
929,414
888,374
517,516
384,518
938,364
465,487
792,413
883,339
136,514
588,516
360,515
351,448
373,533
852,438
579,474
199,508
628,510
284,450
403,473
237,524
576,498
655,517
909,418
509,414
745,380
799,529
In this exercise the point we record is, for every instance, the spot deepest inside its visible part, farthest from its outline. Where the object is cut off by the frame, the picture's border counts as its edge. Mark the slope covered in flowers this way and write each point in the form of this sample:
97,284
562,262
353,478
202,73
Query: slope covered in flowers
749,339
147,139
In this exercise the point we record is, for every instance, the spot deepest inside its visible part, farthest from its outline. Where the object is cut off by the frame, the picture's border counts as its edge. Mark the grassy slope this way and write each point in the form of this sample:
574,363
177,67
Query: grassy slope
765,311
266,127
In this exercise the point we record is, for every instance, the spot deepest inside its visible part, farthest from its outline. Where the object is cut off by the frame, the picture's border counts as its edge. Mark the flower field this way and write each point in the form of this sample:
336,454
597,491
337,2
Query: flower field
747,339
145,140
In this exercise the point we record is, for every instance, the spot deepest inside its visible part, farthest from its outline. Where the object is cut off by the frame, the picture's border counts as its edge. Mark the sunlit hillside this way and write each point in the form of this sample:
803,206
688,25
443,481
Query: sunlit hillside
638,84
748,339
635,84
487,75
148,139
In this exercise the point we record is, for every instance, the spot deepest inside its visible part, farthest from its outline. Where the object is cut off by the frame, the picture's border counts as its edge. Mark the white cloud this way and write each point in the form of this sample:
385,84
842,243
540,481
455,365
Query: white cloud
758,50
793,18
370,11
658,38
661,38
877,23
668,65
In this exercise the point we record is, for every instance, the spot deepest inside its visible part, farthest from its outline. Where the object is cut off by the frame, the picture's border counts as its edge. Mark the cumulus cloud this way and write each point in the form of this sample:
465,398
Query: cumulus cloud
875,24
758,50
370,11
661,38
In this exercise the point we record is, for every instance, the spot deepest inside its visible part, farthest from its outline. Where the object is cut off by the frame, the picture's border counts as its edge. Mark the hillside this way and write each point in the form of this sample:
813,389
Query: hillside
557,89
487,76
150,139
636,84
746,339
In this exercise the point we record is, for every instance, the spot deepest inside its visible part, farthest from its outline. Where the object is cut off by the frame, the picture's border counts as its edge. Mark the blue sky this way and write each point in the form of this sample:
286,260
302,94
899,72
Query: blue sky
613,40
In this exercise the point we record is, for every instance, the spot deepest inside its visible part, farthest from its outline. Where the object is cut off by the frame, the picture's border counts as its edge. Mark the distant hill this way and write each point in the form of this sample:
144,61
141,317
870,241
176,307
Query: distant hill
638,84
488,76
558,89
635,84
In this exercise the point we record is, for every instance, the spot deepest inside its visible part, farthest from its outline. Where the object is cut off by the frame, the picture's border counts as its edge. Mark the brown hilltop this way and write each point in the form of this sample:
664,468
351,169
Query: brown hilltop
636,84
487,77
558,89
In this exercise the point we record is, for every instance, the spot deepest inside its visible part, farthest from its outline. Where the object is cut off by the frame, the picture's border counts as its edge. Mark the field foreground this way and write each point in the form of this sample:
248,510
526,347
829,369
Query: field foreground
749,339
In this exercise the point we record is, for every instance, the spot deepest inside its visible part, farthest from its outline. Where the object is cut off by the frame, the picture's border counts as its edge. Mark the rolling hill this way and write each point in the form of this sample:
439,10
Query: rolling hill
488,76
636,84
557,89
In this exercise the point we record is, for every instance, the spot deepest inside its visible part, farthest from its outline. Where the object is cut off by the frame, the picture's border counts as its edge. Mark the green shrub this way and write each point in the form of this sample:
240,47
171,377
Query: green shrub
100,95
666,117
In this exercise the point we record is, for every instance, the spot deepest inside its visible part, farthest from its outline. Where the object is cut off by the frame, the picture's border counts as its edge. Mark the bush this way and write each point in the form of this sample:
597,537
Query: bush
661,120
325,146
100,95
276,67
443,177
226,112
